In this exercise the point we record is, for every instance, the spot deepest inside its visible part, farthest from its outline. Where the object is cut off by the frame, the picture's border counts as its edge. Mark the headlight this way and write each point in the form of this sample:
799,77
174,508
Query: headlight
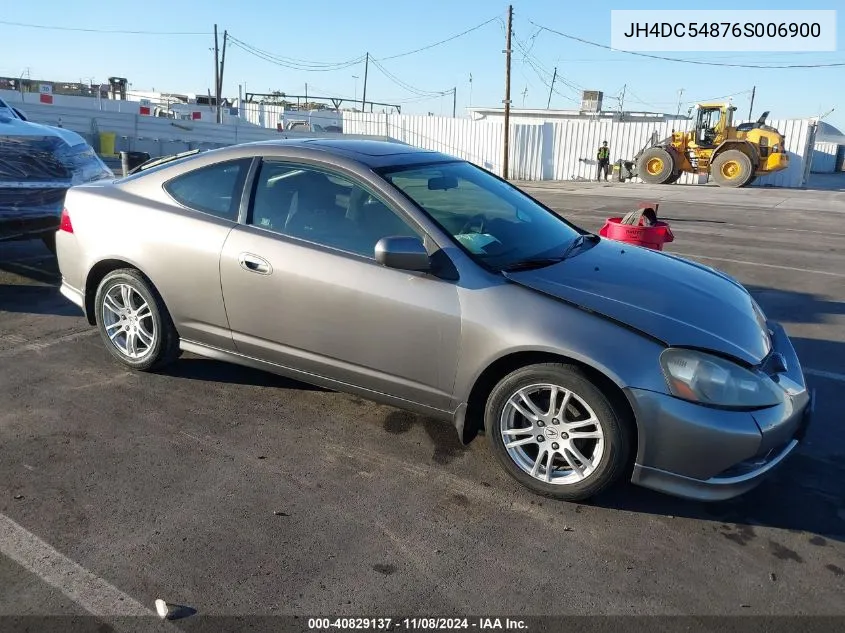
713,381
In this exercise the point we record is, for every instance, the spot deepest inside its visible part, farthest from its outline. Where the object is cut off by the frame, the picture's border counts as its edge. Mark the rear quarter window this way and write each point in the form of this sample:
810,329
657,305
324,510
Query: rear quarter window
213,189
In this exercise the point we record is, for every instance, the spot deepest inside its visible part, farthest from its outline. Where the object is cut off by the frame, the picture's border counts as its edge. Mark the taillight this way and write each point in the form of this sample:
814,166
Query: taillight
66,223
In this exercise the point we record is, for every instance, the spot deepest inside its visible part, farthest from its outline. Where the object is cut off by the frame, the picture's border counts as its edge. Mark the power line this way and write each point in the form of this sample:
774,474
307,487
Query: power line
539,70
307,65
292,63
109,31
402,84
685,61
448,39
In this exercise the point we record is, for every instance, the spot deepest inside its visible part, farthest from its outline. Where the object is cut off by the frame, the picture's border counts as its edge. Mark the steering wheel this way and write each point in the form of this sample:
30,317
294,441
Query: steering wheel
469,224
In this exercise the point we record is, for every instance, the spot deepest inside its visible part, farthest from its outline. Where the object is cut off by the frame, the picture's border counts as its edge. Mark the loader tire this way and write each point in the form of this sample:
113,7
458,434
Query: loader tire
673,179
656,166
732,168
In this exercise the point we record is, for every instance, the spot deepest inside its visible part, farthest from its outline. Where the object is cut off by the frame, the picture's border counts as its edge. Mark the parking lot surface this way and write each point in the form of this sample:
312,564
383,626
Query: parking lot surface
238,492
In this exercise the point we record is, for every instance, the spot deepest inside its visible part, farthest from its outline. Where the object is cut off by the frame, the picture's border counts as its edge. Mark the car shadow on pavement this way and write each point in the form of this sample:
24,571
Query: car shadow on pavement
35,300
444,439
788,306
217,371
42,270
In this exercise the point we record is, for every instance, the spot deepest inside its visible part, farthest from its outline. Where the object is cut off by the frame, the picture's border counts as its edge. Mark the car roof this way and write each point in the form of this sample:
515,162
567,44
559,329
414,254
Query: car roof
372,153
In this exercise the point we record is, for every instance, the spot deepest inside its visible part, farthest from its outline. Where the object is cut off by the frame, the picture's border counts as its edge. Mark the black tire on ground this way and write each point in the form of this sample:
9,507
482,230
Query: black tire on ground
49,240
732,168
672,179
656,166
750,180
165,346
613,421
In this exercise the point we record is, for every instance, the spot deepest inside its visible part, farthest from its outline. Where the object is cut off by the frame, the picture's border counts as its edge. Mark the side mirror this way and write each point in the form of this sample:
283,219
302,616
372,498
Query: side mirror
404,253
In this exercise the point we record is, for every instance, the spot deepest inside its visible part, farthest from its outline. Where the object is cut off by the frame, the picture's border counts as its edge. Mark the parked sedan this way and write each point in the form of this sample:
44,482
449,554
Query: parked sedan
422,281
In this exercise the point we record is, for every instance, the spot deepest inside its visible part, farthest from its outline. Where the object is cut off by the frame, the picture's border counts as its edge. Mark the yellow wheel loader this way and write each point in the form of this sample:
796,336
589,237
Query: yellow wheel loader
732,156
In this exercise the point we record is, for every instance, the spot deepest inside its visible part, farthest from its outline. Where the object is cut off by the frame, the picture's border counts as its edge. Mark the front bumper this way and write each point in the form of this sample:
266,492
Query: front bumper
711,455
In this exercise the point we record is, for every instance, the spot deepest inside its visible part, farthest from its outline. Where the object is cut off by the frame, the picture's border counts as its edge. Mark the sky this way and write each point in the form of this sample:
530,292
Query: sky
335,31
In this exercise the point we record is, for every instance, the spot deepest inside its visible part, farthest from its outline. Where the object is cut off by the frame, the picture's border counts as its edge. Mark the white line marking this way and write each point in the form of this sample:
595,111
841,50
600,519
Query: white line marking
90,592
740,261
820,373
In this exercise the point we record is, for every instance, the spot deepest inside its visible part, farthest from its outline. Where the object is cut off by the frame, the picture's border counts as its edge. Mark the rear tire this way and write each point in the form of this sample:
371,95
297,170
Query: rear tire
732,168
672,179
133,321
586,441
656,166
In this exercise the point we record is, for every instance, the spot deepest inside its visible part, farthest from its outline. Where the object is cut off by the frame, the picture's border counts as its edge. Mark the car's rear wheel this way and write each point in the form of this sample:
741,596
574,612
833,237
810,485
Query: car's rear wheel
557,433
134,322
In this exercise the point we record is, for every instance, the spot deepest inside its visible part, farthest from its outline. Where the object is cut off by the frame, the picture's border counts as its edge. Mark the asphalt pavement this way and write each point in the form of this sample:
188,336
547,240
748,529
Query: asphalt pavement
237,492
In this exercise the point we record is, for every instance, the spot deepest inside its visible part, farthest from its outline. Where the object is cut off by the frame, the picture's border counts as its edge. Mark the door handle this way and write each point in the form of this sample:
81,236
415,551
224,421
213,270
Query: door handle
254,264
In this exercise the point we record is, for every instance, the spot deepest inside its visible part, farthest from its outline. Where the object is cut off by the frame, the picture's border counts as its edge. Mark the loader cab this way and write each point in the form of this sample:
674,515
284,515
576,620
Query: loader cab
712,123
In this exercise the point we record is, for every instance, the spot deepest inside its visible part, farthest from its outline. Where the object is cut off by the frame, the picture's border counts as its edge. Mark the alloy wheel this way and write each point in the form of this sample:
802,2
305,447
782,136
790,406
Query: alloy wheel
128,321
552,434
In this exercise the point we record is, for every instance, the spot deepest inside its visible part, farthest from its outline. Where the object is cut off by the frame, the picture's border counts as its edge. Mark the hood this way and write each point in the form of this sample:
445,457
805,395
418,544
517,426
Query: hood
10,126
676,301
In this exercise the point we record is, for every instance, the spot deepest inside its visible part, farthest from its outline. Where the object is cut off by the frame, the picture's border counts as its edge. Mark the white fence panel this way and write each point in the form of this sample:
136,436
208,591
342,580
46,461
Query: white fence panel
479,142
824,158
577,142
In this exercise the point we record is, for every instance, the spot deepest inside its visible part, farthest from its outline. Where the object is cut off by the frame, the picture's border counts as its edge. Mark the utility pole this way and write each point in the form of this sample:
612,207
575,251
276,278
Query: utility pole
454,101
222,68
551,88
216,76
680,94
507,53
364,96
470,90
622,99
306,94
751,107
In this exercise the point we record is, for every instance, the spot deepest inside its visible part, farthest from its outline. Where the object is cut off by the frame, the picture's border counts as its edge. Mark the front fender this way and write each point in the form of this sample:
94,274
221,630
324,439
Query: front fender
513,319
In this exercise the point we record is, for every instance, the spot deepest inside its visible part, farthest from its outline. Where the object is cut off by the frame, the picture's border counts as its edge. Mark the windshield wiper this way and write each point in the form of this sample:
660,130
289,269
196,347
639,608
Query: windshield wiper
540,262
577,243
531,263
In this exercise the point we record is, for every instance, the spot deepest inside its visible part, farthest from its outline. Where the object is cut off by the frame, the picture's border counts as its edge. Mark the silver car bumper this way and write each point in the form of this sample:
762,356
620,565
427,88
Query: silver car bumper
711,455
74,295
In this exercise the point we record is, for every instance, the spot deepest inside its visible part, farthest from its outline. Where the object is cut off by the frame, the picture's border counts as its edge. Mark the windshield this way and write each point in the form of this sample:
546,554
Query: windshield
494,221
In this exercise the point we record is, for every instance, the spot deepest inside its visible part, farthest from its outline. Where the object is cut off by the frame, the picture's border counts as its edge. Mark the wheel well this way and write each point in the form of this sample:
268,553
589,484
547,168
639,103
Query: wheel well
490,377
743,146
92,282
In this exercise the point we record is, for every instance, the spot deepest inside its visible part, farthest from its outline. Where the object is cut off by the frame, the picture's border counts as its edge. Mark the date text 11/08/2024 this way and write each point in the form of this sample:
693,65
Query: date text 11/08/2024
416,624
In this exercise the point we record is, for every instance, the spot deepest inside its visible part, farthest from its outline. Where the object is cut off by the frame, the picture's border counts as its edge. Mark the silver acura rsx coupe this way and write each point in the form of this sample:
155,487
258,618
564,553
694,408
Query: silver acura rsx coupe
422,281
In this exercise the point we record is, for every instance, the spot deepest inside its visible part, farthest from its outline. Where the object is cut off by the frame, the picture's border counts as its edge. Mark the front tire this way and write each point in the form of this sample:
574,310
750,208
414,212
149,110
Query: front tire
133,321
656,166
555,432
732,168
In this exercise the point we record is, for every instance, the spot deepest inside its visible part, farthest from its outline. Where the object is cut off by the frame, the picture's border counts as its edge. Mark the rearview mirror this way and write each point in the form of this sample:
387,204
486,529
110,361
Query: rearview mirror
403,253
442,183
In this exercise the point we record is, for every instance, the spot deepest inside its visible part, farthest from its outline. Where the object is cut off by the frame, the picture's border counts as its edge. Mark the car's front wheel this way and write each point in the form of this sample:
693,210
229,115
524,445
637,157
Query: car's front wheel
133,321
557,433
